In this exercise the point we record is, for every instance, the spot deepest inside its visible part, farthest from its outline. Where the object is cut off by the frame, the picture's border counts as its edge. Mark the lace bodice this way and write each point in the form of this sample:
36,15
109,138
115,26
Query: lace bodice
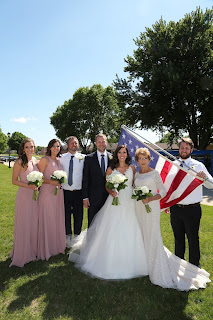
152,180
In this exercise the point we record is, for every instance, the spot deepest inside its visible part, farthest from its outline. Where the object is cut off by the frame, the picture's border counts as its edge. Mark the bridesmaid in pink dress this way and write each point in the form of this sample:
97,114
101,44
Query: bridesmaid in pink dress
51,233
26,209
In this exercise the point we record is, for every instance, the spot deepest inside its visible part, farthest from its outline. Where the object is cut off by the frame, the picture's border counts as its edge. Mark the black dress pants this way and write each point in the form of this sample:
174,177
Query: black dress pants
186,220
73,203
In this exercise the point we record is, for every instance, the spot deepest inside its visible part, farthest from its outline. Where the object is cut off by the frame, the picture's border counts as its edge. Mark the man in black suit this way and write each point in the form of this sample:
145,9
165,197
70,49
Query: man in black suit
95,165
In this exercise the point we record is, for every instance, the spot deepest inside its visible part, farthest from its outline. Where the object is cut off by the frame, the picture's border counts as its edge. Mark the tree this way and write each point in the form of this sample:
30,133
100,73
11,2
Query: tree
38,149
90,111
169,138
15,140
3,141
170,81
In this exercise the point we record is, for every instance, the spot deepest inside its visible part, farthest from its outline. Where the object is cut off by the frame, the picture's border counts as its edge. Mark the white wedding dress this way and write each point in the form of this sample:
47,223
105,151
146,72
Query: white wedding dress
112,248
165,269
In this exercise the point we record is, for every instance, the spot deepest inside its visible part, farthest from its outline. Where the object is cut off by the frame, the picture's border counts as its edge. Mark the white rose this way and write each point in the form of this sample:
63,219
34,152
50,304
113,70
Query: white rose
144,189
119,178
59,174
34,176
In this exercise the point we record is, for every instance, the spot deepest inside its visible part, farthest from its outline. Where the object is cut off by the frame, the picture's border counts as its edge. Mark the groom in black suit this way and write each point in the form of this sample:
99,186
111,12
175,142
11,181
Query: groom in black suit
93,188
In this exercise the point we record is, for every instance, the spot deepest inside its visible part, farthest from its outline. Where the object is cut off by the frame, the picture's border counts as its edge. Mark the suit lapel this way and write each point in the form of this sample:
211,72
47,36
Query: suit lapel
97,163
108,160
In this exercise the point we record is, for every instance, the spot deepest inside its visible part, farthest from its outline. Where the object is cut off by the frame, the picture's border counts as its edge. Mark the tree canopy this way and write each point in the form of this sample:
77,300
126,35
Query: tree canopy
89,112
15,140
170,78
3,141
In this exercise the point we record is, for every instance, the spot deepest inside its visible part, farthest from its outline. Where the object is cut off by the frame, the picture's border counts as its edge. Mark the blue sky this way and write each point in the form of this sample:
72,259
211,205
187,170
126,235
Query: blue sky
50,48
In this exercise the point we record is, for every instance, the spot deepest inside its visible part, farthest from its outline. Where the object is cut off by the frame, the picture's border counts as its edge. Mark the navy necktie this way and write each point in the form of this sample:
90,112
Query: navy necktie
70,171
103,164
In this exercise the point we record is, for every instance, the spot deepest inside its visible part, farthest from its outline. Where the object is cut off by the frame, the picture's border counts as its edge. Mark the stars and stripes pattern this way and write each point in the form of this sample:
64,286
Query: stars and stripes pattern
177,181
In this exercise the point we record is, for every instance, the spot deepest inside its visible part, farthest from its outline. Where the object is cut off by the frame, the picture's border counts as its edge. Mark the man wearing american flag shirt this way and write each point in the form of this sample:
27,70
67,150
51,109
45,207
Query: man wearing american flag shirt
186,214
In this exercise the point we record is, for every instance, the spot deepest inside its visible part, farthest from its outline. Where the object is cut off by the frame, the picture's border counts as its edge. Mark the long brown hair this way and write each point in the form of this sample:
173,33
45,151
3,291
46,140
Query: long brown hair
22,154
50,145
115,161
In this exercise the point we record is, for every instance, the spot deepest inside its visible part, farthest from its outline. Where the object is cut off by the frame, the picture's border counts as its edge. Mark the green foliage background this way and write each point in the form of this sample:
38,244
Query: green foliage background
169,83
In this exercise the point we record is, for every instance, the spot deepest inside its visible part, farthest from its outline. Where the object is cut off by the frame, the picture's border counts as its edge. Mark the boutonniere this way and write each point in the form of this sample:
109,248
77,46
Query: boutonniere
192,167
110,157
80,157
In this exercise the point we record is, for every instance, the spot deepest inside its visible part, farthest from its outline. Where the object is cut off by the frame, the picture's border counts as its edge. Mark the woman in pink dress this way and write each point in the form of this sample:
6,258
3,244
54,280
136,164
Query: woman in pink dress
51,233
26,209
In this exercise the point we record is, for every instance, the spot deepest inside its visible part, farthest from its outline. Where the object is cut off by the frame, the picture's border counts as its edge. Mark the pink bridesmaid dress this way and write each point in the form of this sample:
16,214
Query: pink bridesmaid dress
25,246
51,231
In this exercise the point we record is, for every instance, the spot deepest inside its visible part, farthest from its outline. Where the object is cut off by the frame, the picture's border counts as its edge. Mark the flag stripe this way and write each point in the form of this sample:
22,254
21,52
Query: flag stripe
175,184
164,172
188,190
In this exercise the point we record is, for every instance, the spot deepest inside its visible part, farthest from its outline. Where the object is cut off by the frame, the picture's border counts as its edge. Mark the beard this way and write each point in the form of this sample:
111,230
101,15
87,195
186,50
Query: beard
185,155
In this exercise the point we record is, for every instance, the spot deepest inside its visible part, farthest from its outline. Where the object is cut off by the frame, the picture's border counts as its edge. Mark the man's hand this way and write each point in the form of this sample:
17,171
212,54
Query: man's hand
167,211
86,203
201,174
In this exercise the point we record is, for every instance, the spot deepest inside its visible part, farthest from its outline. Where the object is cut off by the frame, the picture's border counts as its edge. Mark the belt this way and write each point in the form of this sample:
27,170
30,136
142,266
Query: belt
188,205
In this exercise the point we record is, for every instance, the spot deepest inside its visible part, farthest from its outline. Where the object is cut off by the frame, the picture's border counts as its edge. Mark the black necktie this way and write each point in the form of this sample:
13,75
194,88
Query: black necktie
70,171
103,164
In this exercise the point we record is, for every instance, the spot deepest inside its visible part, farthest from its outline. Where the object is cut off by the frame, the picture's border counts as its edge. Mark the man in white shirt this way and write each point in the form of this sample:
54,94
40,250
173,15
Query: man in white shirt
73,163
185,216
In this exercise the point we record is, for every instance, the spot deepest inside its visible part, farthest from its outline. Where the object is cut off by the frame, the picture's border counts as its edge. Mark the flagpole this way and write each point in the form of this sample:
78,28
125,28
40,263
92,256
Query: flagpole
169,154
135,133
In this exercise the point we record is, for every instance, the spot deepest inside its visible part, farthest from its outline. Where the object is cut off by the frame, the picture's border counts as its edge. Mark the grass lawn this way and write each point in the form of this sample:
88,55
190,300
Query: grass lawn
55,289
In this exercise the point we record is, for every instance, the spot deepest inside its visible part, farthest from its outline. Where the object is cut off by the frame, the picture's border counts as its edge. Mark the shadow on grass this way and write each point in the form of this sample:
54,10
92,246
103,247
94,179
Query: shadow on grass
7,273
66,292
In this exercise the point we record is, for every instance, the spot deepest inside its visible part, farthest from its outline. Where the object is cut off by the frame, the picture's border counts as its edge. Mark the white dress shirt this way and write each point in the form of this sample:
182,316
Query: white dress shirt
105,158
197,194
78,165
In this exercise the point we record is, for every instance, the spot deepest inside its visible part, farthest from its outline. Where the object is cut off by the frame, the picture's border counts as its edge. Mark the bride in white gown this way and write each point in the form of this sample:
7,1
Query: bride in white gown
112,248
165,269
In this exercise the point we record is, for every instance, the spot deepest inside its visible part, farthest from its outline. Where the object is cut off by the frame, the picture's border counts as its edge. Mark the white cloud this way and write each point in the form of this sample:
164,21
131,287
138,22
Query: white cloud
23,119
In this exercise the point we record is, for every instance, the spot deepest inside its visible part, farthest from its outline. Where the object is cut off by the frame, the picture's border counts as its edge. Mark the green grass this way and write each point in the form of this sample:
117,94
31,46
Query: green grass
55,289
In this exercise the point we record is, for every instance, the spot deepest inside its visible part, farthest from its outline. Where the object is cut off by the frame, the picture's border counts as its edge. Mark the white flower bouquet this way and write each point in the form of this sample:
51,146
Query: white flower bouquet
36,178
60,176
140,193
116,181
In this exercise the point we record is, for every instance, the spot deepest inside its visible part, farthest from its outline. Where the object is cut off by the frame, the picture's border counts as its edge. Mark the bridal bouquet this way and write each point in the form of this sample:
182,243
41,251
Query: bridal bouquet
140,193
116,181
36,178
60,176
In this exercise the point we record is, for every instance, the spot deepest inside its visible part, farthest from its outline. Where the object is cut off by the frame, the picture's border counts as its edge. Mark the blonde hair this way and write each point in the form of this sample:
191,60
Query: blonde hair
100,135
71,138
143,151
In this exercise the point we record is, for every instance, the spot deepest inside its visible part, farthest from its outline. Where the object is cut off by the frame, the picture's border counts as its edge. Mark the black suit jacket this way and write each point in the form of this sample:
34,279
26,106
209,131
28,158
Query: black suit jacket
93,186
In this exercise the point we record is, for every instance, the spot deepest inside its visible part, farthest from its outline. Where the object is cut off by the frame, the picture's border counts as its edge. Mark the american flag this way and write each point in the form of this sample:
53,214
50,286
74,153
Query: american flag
179,182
